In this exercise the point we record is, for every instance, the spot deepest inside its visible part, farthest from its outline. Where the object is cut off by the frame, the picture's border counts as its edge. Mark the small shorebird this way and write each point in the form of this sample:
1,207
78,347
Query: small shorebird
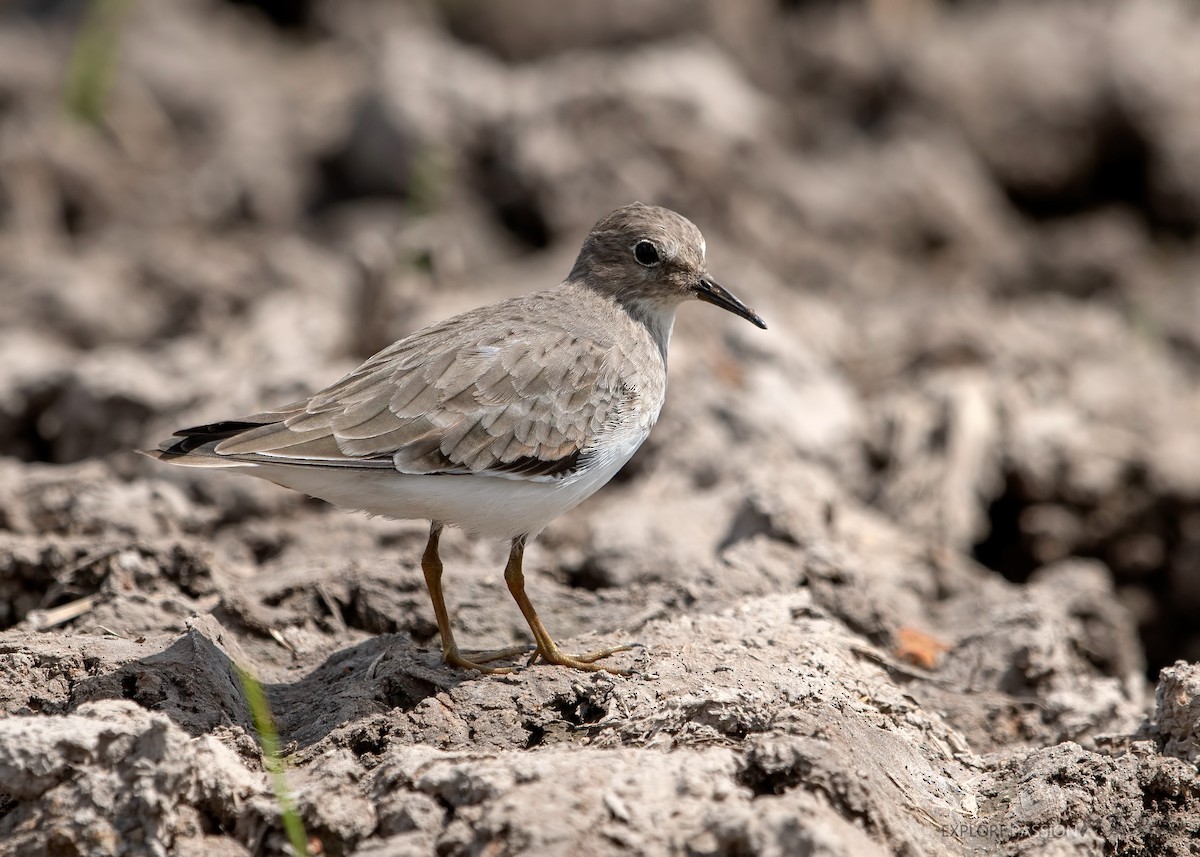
497,420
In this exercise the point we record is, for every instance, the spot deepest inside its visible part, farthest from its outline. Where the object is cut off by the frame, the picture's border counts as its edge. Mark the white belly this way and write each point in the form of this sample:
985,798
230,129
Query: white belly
484,505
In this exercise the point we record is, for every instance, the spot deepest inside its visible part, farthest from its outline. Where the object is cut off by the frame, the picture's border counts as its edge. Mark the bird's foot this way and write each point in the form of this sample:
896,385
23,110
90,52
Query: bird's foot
551,654
477,660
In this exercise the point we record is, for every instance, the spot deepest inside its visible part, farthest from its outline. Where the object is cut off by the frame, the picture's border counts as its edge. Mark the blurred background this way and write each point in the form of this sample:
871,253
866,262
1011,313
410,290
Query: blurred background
971,226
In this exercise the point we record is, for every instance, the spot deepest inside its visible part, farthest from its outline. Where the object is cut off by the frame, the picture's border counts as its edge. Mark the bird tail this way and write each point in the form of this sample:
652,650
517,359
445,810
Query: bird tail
196,446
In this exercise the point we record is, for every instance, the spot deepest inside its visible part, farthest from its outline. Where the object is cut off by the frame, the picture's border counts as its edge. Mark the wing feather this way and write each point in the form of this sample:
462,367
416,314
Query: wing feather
517,400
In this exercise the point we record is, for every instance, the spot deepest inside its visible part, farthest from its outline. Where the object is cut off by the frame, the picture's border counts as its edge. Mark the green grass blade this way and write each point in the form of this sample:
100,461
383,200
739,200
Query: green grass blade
94,60
268,739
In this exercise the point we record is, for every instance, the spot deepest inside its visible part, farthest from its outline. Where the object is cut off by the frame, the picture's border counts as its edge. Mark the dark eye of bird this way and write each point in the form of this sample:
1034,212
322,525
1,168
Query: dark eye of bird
646,253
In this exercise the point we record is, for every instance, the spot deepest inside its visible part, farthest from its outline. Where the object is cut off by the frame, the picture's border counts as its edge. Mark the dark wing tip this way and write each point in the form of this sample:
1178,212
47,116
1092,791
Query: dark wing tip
531,466
218,431
191,439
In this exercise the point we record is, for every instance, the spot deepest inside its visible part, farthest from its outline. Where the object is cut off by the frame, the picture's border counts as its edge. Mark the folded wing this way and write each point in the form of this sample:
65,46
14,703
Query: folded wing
528,404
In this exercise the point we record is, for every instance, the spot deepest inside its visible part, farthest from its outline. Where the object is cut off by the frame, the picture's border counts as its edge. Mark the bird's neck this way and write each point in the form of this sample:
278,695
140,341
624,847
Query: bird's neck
658,317
650,310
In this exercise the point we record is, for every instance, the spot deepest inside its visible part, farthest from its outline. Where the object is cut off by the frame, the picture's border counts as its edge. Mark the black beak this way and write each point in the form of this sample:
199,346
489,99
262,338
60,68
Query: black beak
710,292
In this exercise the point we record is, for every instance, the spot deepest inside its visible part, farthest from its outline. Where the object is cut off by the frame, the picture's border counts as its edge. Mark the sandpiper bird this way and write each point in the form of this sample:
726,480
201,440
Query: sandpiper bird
497,420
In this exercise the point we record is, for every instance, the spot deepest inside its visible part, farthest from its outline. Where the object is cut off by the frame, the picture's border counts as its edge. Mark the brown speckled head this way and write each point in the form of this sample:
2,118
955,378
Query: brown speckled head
651,260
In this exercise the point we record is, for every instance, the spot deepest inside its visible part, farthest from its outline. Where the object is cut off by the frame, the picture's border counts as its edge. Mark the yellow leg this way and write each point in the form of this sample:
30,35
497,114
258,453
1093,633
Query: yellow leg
546,648
431,564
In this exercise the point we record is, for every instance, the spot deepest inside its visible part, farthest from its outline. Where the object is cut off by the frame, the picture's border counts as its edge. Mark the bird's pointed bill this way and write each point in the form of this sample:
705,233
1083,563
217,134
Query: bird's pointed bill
717,295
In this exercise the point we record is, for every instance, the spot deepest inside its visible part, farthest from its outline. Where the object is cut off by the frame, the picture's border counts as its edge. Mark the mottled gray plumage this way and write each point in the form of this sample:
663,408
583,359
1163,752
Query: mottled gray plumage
499,419
521,389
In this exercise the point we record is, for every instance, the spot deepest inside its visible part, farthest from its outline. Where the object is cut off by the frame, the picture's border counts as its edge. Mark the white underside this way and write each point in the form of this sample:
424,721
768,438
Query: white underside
485,505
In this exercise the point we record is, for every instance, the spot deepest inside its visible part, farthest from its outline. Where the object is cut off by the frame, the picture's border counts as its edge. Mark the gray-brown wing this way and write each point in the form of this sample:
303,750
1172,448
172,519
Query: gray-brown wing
524,406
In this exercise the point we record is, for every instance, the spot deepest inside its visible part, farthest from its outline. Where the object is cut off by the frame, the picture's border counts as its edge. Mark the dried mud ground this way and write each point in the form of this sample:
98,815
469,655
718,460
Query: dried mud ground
916,571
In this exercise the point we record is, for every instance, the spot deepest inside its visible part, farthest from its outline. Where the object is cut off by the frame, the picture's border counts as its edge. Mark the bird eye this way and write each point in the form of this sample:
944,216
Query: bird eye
646,254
